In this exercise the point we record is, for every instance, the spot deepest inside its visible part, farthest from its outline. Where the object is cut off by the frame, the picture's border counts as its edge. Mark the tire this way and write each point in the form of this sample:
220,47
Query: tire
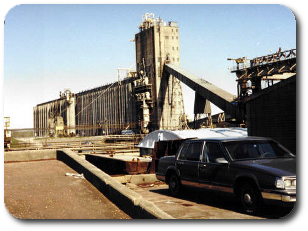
174,185
250,198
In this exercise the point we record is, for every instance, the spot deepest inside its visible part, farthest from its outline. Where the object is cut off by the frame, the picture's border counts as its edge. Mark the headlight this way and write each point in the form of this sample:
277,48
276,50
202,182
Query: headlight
286,182
279,183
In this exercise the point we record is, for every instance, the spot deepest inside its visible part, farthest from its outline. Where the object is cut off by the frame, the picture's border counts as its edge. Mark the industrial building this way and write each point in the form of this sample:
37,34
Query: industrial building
267,88
150,98
272,113
143,101
158,43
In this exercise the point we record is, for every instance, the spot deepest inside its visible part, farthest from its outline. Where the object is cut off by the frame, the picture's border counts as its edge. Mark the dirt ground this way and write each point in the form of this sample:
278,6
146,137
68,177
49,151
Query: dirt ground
44,190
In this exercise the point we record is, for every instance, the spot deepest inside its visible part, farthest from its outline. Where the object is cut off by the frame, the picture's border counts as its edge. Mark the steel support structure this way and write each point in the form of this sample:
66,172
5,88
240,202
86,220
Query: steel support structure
221,98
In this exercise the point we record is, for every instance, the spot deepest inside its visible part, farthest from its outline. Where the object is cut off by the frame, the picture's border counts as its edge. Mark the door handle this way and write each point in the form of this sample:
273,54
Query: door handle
202,165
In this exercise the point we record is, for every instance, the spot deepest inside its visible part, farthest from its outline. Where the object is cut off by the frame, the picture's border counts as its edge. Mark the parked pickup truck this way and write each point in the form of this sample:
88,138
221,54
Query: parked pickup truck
255,169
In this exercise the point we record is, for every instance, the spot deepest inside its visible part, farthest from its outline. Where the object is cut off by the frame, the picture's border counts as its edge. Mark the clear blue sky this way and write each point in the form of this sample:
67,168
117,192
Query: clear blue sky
48,48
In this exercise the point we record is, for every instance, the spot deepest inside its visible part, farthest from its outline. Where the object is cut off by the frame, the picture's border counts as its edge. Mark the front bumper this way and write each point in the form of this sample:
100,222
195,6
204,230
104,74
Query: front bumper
283,197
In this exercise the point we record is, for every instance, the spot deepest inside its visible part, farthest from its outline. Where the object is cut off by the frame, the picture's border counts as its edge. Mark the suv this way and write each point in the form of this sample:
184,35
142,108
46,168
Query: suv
255,169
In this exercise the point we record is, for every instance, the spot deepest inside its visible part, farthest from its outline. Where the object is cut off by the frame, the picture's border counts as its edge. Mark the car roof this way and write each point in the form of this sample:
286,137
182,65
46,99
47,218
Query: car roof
226,139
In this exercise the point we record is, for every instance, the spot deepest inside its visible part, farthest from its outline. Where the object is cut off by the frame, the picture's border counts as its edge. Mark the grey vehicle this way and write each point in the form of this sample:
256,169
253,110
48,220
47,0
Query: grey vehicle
255,169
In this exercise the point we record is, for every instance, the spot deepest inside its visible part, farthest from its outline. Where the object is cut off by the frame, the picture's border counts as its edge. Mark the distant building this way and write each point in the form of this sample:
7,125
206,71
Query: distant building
144,101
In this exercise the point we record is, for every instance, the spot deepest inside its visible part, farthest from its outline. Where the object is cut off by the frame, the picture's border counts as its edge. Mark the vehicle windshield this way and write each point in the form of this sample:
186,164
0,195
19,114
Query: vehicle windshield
256,149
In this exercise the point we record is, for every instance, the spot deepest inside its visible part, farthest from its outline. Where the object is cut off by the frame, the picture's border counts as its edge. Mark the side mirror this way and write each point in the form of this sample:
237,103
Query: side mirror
221,160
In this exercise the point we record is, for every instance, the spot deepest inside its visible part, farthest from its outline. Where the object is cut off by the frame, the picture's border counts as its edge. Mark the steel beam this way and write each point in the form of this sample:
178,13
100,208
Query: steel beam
221,98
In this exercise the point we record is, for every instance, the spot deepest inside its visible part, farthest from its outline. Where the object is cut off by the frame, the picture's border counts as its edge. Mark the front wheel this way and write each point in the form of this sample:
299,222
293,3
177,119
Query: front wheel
250,198
174,185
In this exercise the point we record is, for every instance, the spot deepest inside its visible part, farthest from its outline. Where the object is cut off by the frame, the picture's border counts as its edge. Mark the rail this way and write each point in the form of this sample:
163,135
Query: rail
95,144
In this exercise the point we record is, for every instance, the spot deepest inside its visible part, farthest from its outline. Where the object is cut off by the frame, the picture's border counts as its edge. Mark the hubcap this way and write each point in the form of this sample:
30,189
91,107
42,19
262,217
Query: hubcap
247,199
173,184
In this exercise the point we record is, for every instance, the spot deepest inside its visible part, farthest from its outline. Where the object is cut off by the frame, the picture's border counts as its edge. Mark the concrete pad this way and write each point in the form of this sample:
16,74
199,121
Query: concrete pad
43,190
131,202
30,155
137,179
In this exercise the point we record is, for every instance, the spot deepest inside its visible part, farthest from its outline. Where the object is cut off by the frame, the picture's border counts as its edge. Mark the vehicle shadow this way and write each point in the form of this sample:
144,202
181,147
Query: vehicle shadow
224,201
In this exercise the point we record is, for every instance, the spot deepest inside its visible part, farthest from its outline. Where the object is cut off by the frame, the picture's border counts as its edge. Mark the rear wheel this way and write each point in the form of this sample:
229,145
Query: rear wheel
174,185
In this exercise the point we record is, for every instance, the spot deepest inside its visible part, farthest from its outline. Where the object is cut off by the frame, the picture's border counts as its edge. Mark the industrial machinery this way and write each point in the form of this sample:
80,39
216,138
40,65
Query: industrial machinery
62,108
7,133
261,72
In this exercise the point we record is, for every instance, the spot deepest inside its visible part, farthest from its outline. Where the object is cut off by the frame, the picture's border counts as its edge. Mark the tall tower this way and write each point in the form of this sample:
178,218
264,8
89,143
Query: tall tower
158,43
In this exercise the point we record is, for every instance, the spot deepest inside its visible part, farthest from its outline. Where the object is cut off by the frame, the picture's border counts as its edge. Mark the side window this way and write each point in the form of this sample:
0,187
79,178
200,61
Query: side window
182,155
212,151
191,151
